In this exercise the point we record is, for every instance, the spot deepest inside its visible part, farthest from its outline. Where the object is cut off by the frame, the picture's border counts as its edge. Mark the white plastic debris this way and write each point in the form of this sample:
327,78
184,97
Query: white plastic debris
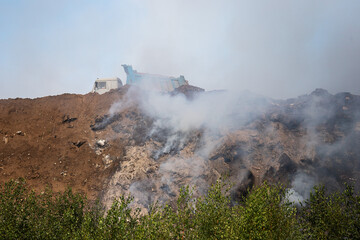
101,142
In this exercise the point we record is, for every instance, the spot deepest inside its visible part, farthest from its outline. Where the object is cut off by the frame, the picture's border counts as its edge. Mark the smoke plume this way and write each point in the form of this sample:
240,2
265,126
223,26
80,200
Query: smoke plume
302,141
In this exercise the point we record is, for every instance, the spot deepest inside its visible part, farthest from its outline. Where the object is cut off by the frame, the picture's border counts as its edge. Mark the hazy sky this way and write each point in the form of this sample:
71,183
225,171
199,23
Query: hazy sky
278,48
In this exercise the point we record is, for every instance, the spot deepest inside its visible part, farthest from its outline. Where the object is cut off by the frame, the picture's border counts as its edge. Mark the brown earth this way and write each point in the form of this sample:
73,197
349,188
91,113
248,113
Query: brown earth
48,141
103,145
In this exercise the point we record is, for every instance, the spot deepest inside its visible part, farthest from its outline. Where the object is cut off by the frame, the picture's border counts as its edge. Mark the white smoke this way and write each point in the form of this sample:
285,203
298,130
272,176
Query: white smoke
201,121
301,187
186,132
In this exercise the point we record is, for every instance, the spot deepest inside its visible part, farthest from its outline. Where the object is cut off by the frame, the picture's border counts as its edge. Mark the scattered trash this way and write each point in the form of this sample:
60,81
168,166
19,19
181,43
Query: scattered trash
78,143
20,133
101,143
67,119
107,160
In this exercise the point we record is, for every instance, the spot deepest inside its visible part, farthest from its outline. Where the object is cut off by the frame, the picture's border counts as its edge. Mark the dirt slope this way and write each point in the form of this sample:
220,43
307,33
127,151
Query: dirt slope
48,141
110,144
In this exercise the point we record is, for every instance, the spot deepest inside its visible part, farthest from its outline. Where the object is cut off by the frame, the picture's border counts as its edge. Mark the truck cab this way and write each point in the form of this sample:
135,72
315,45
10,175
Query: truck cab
103,85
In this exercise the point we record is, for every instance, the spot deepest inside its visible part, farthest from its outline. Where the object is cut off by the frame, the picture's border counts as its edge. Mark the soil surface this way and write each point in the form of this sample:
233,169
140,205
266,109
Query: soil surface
106,145
49,141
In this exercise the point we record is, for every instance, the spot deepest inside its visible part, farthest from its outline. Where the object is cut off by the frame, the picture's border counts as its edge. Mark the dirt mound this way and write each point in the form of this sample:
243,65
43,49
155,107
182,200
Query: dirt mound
48,141
128,141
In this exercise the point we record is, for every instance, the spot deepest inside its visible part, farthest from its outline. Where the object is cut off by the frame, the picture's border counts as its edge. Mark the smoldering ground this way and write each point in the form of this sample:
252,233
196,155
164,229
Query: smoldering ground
301,142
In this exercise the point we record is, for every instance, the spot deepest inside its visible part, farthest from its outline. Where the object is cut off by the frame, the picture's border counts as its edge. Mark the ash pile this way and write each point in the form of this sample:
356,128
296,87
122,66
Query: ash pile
193,138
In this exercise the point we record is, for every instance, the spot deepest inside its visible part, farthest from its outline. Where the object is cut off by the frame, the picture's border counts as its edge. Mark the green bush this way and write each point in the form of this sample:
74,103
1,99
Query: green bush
26,215
267,215
335,216
263,214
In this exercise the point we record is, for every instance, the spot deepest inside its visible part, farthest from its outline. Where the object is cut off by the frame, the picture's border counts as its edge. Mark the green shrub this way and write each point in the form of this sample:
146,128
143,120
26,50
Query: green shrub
26,215
335,216
263,214
214,217
267,215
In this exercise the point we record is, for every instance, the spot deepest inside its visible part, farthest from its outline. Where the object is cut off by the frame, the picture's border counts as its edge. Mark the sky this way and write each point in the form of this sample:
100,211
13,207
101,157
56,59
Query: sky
278,48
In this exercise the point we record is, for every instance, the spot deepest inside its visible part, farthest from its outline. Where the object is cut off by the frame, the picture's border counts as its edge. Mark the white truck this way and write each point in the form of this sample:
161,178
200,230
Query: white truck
103,85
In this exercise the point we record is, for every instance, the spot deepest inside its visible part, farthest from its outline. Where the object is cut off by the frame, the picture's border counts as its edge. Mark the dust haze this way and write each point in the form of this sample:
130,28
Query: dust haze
278,49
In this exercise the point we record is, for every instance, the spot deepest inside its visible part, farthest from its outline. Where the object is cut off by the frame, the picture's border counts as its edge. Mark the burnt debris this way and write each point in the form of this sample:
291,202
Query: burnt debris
68,119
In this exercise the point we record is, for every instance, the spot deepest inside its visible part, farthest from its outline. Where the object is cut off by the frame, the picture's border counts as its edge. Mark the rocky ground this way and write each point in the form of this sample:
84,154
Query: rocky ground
128,142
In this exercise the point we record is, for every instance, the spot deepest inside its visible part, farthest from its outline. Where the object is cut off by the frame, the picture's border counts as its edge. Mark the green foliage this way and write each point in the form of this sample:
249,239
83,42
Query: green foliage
263,214
26,215
215,218
120,222
267,215
335,216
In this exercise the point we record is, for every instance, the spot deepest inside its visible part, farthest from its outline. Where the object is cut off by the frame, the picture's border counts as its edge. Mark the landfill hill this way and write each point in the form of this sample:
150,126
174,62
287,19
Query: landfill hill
91,144
49,142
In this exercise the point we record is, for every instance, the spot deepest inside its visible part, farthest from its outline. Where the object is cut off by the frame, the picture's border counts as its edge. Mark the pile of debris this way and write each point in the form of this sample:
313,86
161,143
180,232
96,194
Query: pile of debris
106,145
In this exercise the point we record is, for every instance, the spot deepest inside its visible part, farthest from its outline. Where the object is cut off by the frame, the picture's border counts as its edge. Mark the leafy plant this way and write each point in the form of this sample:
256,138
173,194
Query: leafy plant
334,216
263,214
